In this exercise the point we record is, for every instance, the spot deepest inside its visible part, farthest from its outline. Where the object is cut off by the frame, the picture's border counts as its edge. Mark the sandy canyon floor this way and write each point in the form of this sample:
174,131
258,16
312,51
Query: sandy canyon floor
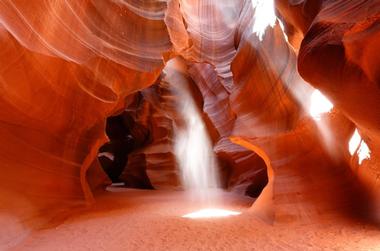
152,220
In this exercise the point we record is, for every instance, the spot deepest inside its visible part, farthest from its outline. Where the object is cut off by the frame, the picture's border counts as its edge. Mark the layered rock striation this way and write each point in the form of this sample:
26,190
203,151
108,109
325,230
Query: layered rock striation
66,66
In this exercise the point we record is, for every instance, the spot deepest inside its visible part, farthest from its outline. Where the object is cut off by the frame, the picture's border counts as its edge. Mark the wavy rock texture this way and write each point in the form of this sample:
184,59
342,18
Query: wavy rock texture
158,155
245,167
65,66
330,48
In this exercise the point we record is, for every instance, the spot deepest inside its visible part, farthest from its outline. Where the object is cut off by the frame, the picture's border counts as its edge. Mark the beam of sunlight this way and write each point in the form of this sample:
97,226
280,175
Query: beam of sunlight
264,16
319,105
194,152
192,146
211,213
358,145
283,30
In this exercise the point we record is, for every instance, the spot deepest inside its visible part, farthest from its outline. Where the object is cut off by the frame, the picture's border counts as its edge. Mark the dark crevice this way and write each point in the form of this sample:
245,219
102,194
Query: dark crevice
125,136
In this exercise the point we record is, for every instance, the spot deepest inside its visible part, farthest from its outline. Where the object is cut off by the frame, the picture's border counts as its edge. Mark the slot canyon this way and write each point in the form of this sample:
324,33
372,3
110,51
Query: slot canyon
189,125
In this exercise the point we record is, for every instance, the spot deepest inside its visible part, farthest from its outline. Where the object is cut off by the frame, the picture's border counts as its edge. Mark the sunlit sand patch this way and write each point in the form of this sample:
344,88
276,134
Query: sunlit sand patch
211,213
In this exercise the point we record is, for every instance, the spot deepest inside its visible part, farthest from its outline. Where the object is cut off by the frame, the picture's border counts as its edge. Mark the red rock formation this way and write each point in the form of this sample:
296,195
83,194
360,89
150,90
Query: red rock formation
245,168
330,60
66,66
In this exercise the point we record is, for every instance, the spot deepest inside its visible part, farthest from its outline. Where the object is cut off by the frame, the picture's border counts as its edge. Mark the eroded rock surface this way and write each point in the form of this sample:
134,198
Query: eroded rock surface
66,66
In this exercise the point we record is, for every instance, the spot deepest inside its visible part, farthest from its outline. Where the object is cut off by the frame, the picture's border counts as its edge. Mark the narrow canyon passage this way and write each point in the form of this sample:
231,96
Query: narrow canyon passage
190,125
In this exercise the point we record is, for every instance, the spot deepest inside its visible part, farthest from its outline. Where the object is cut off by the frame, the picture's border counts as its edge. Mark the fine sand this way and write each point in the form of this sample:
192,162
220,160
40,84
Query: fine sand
151,220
